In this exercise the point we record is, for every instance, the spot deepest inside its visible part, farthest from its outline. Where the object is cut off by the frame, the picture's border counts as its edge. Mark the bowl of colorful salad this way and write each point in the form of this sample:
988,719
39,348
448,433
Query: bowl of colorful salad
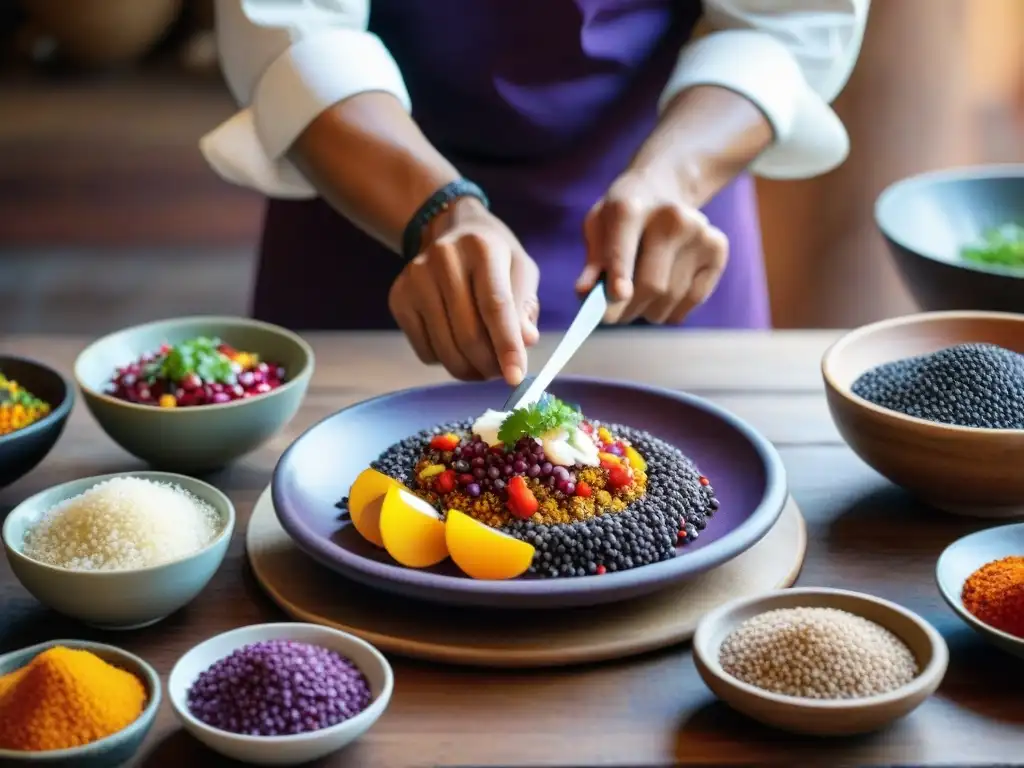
35,401
193,394
957,237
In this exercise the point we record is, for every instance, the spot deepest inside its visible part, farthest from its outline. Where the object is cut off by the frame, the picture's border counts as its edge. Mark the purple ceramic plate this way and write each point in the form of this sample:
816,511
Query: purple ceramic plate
318,469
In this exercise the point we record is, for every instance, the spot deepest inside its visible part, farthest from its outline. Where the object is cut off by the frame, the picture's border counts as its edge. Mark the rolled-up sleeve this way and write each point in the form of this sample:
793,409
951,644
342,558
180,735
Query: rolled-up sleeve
285,62
791,58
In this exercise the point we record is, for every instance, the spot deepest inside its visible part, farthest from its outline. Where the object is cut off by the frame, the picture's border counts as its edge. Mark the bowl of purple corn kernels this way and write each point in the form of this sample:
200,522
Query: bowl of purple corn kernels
280,694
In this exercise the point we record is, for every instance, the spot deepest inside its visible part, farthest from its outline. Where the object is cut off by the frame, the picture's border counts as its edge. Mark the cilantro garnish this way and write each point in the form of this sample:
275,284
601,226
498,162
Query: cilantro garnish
547,414
1003,246
200,356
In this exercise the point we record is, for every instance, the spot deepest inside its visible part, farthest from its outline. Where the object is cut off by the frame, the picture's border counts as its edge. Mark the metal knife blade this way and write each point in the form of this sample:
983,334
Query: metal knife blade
587,319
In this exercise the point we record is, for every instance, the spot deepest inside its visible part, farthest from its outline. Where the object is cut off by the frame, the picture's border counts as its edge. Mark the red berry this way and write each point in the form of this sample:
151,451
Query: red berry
704,480
445,482
521,501
601,570
190,381
682,534
445,442
582,489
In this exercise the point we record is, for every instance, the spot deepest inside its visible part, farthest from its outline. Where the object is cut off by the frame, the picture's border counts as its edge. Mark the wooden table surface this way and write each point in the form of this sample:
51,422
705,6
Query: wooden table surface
649,711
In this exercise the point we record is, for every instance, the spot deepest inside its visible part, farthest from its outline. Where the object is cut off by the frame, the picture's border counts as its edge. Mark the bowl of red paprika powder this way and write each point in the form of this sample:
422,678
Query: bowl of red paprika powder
981,576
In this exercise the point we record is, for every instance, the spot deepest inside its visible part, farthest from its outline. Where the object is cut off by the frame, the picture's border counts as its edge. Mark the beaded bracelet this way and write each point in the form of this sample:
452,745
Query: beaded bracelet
436,204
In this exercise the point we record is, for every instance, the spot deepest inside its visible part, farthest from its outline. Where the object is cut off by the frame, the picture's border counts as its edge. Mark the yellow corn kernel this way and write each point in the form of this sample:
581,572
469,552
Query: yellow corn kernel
168,401
430,470
636,461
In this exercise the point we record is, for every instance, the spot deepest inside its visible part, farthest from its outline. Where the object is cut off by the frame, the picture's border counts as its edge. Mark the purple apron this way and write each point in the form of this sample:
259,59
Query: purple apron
542,103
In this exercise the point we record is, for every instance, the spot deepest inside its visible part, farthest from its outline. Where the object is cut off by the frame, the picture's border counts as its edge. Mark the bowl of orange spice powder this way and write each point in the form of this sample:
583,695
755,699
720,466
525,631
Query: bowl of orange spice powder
981,577
75,704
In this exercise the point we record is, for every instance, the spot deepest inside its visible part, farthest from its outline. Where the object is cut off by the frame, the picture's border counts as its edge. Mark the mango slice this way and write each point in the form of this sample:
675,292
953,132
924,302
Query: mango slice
365,498
483,552
412,530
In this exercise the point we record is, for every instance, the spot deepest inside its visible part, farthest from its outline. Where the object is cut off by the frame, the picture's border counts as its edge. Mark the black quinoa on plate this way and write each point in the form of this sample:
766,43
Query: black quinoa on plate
574,530
967,385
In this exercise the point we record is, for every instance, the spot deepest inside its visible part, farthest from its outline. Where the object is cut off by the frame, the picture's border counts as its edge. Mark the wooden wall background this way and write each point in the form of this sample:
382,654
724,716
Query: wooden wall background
107,167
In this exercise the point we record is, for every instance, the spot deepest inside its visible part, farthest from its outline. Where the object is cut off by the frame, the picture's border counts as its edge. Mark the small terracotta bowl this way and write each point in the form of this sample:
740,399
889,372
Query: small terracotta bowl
958,469
817,717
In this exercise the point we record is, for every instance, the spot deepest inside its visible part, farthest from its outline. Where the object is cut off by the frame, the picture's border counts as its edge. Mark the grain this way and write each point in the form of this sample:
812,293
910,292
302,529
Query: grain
817,653
121,524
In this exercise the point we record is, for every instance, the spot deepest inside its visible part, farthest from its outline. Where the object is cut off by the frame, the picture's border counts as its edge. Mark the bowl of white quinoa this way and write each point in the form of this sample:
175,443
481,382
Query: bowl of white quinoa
816,661
119,551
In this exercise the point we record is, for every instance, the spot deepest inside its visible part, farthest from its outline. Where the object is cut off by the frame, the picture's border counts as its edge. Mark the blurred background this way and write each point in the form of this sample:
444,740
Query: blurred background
109,216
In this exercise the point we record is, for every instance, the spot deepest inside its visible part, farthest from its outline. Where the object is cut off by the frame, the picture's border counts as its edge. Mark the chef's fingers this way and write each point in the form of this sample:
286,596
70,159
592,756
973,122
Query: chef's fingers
410,322
612,231
430,305
450,263
714,247
491,275
525,281
677,230
667,232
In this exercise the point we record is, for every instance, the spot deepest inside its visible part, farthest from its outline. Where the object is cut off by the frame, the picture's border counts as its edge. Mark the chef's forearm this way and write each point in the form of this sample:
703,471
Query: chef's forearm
707,136
369,160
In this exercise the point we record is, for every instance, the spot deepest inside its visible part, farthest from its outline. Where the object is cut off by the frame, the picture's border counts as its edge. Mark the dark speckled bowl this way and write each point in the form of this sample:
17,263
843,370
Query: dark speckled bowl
928,219
318,469
21,451
110,752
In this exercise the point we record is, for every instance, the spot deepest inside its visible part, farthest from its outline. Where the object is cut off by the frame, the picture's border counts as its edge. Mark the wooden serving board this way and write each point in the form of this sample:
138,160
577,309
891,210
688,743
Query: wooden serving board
310,592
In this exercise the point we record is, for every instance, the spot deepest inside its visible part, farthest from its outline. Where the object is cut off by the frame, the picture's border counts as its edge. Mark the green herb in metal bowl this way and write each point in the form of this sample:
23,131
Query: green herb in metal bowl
1002,247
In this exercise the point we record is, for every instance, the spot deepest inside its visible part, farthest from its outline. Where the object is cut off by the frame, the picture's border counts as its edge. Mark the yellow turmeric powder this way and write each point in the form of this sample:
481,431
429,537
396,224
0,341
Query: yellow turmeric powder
66,698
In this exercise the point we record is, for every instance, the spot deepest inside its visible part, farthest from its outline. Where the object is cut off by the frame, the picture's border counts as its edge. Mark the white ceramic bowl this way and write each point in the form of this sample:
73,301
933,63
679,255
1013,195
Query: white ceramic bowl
966,555
117,599
840,717
281,750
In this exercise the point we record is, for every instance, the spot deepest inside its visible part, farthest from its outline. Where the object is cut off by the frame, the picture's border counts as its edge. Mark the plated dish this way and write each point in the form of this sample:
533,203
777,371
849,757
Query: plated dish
542,490
420,528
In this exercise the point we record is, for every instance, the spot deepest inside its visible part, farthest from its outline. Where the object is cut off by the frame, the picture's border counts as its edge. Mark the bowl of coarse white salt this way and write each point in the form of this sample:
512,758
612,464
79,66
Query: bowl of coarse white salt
119,551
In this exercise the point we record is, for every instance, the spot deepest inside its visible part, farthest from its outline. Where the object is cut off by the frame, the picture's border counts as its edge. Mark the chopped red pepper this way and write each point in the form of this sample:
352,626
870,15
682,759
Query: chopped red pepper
704,480
609,460
682,534
446,442
521,501
587,427
582,489
601,570
619,476
445,482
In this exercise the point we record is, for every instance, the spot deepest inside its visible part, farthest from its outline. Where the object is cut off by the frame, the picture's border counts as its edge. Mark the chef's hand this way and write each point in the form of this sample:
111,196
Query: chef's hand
661,256
469,299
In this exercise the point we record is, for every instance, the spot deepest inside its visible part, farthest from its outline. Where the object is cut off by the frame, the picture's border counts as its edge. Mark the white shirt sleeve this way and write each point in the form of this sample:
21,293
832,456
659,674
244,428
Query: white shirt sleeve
285,62
789,57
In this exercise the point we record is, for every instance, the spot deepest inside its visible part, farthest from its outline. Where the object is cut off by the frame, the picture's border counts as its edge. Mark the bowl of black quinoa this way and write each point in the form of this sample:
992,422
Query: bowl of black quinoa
935,403
706,487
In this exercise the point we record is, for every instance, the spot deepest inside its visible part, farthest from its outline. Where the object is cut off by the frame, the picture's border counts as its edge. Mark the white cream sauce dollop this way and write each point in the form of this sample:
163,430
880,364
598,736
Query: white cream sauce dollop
487,425
561,446
570,447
